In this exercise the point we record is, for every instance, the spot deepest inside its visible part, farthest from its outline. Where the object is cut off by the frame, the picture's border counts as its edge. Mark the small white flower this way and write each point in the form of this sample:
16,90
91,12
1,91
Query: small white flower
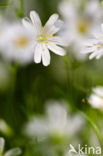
16,44
44,37
57,123
80,23
11,152
4,128
96,98
94,46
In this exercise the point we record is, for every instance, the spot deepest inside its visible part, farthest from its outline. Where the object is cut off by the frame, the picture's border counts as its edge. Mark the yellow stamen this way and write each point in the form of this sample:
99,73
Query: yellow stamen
101,43
21,42
83,26
51,35
41,41
46,45
98,46
42,37
42,28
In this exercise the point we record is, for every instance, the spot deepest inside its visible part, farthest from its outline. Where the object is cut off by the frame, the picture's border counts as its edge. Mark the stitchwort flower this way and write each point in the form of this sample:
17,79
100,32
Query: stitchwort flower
11,152
16,44
57,124
96,98
94,46
44,37
80,21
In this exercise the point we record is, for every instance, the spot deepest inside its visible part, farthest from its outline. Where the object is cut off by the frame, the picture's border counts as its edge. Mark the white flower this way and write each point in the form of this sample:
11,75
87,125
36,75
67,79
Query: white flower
94,46
16,44
96,98
57,123
11,152
44,37
80,23
4,128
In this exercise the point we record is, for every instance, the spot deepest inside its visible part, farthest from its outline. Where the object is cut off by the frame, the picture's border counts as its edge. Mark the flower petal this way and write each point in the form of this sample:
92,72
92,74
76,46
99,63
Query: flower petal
53,30
12,152
37,126
90,42
37,53
57,115
102,27
98,56
56,49
45,56
59,23
58,40
86,50
51,22
27,24
36,20
2,144
92,56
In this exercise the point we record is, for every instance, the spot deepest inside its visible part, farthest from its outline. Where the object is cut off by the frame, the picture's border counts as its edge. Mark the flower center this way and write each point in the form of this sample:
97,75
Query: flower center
42,38
83,27
21,41
99,45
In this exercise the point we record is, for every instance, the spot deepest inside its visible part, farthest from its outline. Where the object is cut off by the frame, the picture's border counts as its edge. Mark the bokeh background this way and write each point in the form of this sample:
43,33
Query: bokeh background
25,90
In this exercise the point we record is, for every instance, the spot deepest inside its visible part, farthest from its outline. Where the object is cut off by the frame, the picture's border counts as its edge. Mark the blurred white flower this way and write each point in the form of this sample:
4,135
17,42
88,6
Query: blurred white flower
43,37
94,46
16,44
80,21
11,152
56,124
4,128
96,98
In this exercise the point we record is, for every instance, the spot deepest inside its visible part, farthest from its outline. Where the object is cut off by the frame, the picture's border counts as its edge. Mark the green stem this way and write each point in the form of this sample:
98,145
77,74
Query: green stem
22,6
94,126
69,76
11,95
68,71
20,11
